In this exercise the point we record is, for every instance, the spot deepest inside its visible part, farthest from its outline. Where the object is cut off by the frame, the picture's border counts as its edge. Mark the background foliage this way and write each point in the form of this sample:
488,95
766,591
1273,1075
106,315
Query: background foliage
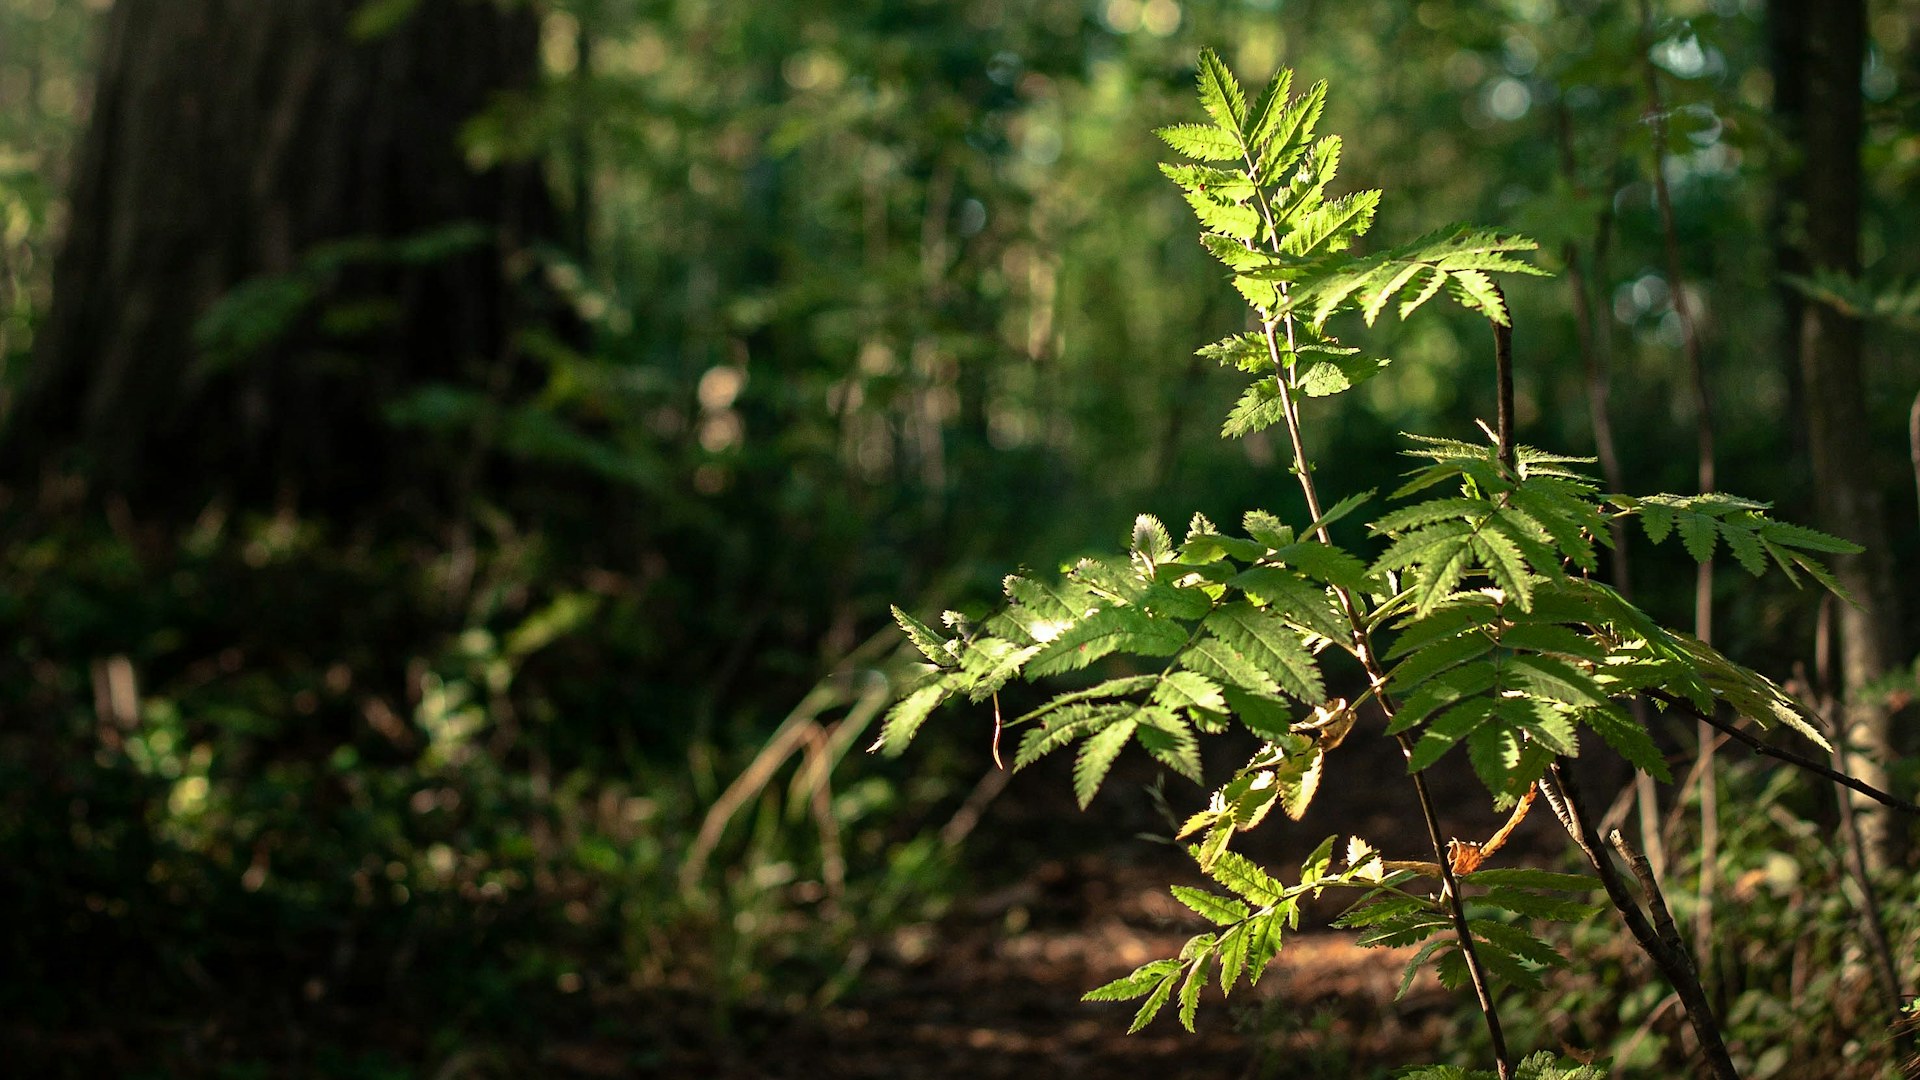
873,301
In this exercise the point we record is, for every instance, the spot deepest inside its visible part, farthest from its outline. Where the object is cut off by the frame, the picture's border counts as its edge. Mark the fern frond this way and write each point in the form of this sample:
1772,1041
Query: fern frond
1267,529
931,645
1111,688
1325,378
1433,657
1458,259
1448,728
1244,879
1229,185
1295,598
1233,219
1236,254
1216,909
1306,189
1248,352
1324,563
1216,659
1170,740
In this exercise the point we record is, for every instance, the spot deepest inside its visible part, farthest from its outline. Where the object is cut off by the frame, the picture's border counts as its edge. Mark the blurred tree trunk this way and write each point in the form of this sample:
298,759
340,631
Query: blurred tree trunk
1823,47
229,139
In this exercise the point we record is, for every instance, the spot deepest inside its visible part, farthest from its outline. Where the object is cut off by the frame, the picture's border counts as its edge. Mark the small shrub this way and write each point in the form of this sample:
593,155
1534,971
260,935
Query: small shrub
1469,619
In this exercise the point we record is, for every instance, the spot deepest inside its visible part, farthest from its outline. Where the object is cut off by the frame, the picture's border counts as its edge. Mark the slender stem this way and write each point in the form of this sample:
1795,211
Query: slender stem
1503,384
1457,914
1362,648
1289,408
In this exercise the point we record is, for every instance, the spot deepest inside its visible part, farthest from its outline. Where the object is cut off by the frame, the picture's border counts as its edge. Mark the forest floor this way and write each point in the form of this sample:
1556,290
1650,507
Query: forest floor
989,995
992,990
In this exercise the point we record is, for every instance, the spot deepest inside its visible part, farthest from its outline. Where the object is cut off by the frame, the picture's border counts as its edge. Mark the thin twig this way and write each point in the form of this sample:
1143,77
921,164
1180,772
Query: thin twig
1855,859
1667,953
1650,888
1788,756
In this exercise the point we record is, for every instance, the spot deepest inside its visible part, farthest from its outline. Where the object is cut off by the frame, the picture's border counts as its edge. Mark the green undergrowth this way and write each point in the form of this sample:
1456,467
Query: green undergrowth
270,801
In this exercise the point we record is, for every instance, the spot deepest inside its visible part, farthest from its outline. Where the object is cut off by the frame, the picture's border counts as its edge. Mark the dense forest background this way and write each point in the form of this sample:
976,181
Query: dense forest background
456,458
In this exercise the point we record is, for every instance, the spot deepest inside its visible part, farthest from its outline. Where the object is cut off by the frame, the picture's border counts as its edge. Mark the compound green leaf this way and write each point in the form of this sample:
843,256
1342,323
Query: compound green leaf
1216,909
1527,877
1334,226
1324,563
1202,142
1447,729
904,719
1238,873
1280,142
931,645
1170,740
1220,93
1272,646
1197,971
1294,598
1155,1002
1150,540
1219,660
1103,632
1629,740
1325,378
1140,981
1188,690
1233,956
1096,757
1063,727
1261,406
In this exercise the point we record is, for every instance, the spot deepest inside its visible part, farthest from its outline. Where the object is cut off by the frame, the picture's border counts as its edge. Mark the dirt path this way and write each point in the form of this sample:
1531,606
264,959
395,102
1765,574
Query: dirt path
991,992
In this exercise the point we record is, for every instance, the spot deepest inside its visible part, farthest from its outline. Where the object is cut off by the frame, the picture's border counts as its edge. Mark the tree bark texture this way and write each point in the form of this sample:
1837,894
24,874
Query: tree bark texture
1825,184
230,139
